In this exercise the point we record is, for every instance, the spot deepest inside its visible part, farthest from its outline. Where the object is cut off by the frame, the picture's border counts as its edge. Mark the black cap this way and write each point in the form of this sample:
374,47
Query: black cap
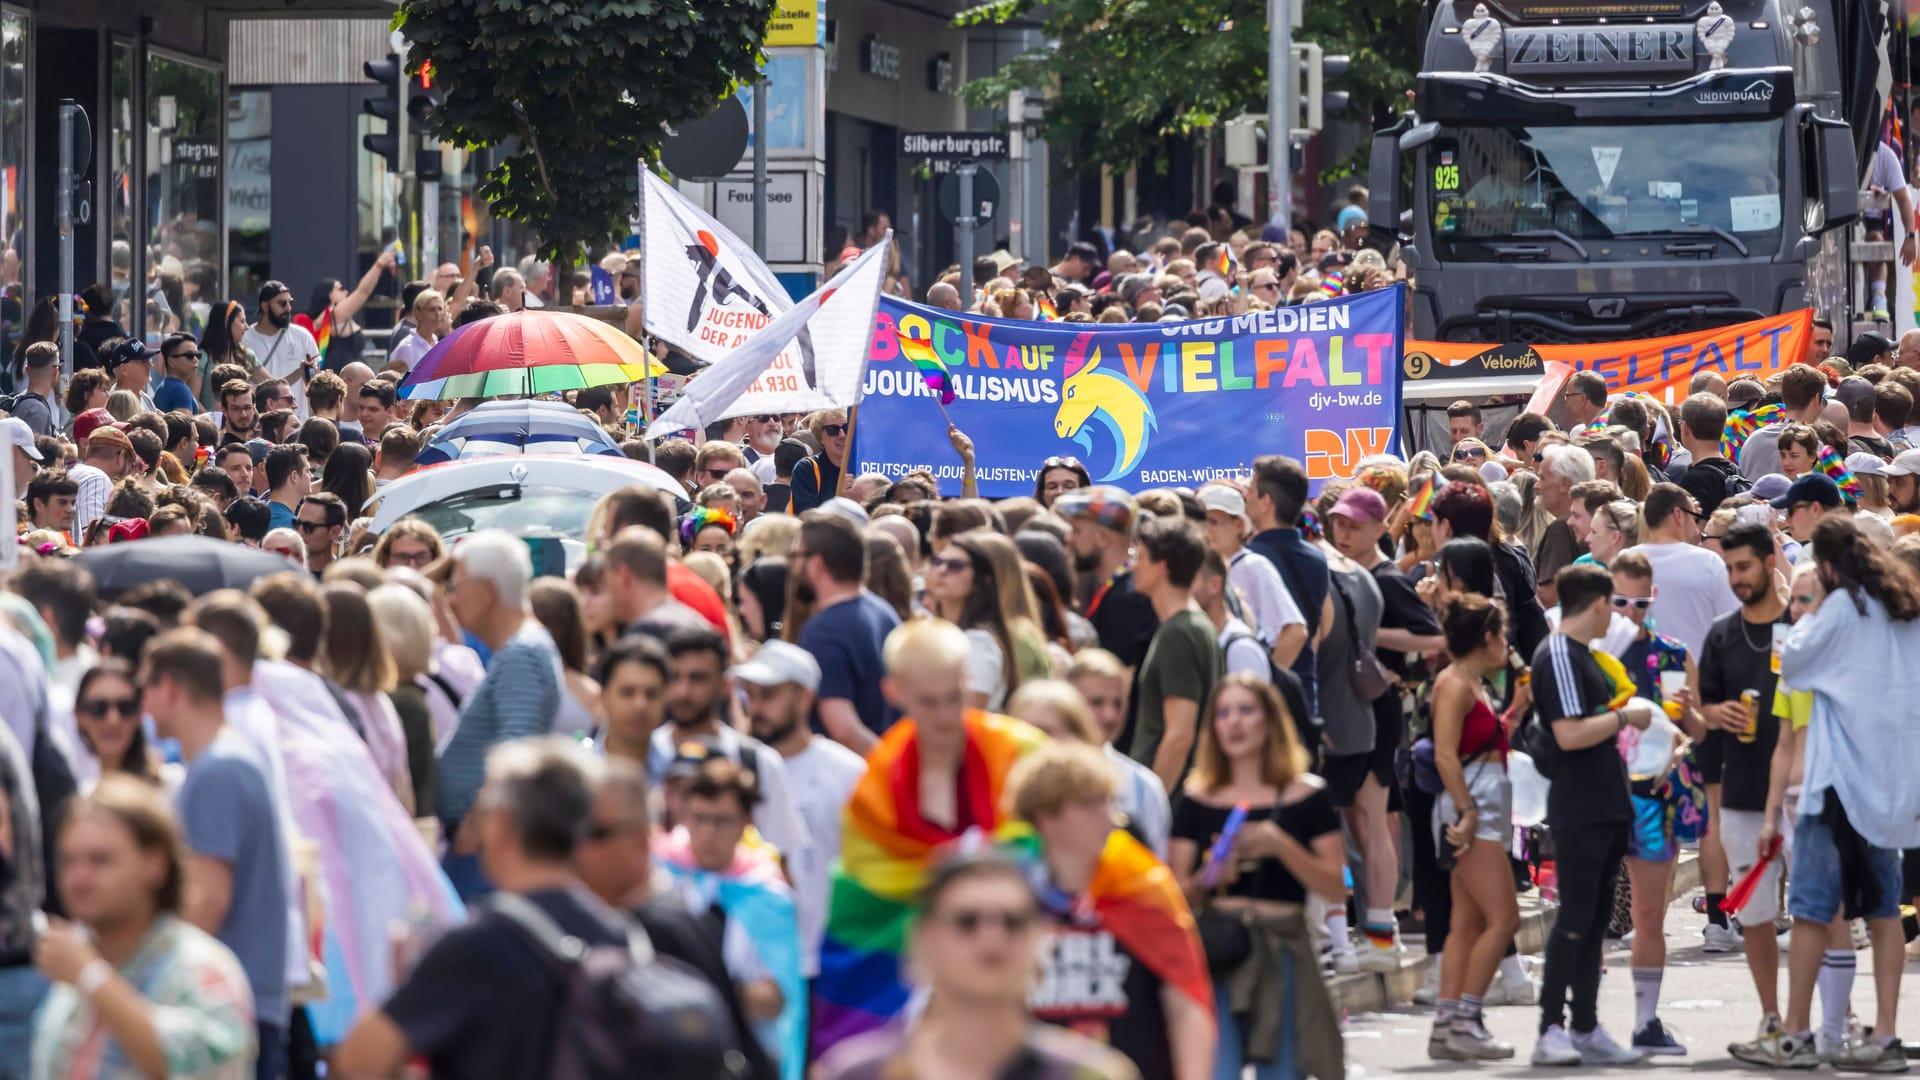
1813,487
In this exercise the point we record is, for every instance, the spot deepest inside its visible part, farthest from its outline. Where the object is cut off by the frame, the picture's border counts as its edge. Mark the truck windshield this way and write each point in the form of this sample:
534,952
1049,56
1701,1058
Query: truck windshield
1594,182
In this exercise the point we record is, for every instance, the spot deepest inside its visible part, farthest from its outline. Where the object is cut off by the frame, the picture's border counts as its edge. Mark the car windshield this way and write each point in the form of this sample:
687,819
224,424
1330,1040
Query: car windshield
522,511
1596,182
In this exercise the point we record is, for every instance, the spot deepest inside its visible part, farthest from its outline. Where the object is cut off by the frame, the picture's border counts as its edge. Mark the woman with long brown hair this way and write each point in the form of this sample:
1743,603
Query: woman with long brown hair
222,343
975,582
1249,882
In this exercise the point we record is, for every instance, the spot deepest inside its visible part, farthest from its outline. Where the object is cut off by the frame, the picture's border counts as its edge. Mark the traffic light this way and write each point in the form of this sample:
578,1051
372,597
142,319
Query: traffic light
422,99
1314,68
387,106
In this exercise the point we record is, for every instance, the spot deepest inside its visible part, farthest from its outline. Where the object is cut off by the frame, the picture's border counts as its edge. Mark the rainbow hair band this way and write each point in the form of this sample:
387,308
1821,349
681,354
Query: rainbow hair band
1830,463
699,518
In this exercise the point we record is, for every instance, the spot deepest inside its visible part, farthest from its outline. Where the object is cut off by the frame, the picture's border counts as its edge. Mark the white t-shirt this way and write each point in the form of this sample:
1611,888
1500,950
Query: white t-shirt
986,671
283,361
1269,605
1693,591
1243,653
823,776
411,350
1885,173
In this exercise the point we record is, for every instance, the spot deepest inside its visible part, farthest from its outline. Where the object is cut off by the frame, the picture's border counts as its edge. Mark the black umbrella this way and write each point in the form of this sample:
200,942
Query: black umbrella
200,563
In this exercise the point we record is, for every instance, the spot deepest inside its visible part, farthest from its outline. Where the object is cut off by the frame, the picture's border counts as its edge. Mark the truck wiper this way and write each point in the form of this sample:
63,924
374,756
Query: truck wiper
1555,234
1732,240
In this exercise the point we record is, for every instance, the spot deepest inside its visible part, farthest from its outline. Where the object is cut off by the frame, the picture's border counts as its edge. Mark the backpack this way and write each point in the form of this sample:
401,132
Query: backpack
11,404
619,1007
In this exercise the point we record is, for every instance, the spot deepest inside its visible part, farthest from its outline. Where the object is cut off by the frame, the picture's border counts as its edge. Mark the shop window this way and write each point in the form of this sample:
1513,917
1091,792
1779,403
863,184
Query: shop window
184,189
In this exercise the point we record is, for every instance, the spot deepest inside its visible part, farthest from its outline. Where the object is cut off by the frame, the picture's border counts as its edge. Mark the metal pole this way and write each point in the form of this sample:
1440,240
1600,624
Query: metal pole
64,201
1280,113
760,168
963,226
429,226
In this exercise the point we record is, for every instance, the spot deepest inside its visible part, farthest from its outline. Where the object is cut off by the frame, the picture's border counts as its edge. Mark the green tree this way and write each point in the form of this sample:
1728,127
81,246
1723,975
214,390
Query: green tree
581,89
1125,76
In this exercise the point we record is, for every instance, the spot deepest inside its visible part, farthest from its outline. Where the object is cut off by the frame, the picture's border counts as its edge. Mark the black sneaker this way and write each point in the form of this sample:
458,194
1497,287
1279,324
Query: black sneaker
1655,1039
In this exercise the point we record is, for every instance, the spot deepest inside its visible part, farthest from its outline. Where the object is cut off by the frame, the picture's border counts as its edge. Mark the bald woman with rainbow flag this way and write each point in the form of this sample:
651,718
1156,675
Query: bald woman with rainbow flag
939,781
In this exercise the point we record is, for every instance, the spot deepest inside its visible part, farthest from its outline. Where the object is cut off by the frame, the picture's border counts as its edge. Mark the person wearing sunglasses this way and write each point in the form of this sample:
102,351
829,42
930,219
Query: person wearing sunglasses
106,710
974,947
764,433
179,367
1066,790
321,521
1470,451
1669,804
817,478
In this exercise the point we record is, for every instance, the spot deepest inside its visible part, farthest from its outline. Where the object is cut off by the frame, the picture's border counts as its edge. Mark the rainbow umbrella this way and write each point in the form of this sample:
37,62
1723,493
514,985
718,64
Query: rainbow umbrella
526,353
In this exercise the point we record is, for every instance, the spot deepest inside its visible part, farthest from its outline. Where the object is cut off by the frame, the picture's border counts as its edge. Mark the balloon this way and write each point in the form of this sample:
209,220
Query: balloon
1529,790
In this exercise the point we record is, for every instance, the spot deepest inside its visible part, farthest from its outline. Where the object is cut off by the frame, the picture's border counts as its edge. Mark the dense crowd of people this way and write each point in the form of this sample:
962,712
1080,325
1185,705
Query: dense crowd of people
857,778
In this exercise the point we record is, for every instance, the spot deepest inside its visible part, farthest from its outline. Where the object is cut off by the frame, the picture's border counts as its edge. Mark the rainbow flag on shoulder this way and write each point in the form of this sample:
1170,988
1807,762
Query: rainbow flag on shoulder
886,851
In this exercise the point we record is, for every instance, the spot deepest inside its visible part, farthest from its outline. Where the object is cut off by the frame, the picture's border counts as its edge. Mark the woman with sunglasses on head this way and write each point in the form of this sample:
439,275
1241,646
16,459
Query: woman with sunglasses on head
974,948
1614,529
975,581
1059,475
106,709
1250,888
1472,827
332,303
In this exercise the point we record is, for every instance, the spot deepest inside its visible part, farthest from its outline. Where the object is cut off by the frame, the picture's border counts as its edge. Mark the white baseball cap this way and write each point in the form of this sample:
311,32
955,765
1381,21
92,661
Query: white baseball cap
779,662
1862,463
1906,463
1228,500
20,435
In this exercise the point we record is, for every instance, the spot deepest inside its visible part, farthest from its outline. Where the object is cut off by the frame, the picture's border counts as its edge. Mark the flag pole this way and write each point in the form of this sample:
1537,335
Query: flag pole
853,417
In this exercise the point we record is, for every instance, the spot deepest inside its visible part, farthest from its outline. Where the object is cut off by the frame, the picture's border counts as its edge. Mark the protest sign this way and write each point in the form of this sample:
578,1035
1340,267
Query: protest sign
1142,406
1658,367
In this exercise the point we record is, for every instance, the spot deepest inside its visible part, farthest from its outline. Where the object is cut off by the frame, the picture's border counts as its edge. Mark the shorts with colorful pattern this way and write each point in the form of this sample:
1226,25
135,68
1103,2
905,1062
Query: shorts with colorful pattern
1651,837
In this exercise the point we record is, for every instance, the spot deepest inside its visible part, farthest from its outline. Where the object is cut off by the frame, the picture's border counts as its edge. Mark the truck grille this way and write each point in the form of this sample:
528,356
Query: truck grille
1539,321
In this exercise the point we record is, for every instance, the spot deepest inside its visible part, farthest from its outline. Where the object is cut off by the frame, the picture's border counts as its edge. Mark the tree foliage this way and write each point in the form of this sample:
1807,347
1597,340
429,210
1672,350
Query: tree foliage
1125,75
576,91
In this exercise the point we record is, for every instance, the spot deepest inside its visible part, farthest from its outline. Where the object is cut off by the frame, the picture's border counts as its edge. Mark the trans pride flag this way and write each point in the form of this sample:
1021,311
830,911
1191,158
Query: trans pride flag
753,893
886,850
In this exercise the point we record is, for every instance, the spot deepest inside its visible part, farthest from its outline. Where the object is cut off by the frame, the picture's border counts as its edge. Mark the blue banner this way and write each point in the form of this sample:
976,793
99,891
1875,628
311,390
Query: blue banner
1141,406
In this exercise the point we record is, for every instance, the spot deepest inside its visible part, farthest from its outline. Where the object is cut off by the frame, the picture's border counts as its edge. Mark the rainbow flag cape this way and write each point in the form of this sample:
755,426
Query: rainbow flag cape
1044,305
1134,896
886,850
323,332
1742,423
1833,465
754,893
931,367
1225,266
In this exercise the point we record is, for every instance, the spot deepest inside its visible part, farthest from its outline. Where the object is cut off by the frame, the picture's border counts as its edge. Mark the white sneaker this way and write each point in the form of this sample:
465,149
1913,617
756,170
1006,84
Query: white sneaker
1474,1043
1555,1048
1720,939
1376,959
1345,960
1596,1047
1429,991
1857,929
1503,992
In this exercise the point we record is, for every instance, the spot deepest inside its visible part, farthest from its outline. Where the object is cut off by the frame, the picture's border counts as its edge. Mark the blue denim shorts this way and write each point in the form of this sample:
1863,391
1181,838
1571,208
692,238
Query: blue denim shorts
1813,884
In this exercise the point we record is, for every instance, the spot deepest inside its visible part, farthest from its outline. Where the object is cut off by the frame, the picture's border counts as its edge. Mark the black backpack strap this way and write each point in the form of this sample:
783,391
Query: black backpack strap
446,688
750,761
559,944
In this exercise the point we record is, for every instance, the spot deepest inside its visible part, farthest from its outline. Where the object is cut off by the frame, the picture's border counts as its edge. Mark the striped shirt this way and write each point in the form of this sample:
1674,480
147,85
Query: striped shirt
519,697
90,502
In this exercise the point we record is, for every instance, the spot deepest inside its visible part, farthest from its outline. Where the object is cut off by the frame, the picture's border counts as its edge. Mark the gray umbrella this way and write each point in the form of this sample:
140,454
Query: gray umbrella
200,563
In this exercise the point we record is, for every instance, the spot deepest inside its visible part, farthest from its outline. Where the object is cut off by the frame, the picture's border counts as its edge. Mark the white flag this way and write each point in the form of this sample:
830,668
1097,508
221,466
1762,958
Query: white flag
706,291
838,319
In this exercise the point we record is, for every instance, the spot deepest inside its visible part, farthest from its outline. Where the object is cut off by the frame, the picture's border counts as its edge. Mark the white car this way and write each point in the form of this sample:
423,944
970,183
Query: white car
532,496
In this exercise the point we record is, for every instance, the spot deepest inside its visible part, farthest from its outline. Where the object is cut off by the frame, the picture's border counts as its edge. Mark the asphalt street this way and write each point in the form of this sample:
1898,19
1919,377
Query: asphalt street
1707,1001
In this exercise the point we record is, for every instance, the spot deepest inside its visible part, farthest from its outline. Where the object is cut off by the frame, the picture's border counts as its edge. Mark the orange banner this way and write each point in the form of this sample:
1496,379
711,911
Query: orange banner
1660,367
